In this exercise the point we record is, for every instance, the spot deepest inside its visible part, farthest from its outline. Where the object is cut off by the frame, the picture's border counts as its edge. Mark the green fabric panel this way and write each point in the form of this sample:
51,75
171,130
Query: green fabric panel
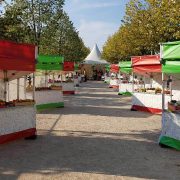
50,59
107,68
47,62
125,66
49,66
171,142
126,70
125,93
171,67
76,67
171,51
49,106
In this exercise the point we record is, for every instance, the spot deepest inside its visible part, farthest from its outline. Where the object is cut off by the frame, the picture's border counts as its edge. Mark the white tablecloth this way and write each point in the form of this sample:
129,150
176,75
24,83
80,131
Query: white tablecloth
114,82
149,100
46,97
17,119
171,125
107,79
125,88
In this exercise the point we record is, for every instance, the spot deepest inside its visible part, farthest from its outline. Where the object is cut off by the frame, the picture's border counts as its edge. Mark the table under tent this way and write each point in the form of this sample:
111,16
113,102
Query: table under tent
18,114
67,75
48,92
148,95
114,78
107,74
77,77
170,58
126,78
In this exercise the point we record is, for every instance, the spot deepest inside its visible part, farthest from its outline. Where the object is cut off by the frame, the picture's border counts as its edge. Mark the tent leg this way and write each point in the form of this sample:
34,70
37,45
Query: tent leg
18,89
163,95
133,82
34,86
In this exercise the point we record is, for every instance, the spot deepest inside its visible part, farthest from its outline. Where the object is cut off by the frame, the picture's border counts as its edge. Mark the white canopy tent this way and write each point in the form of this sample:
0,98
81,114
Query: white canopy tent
95,57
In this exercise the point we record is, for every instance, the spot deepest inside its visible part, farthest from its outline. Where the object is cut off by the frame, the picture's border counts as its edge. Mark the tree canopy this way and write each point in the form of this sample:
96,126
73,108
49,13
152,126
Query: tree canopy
145,24
45,24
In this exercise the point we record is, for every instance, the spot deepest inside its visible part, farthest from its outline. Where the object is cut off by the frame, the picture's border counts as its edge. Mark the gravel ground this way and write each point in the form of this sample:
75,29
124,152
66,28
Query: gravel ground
95,136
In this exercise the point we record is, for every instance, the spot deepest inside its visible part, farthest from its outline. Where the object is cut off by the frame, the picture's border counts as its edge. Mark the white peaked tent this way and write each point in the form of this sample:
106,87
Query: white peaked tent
94,57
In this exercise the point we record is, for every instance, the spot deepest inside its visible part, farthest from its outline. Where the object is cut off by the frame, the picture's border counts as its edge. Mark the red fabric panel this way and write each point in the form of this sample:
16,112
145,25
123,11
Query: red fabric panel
17,135
68,92
146,109
114,68
68,66
20,57
113,86
149,63
147,68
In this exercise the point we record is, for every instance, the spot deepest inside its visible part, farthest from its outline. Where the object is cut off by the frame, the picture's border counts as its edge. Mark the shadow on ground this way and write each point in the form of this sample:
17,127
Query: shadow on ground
113,154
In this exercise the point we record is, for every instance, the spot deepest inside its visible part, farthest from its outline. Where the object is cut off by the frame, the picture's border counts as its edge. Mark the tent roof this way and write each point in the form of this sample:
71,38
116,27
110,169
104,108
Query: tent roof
114,68
49,62
95,57
148,63
171,50
171,57
125,66
17,57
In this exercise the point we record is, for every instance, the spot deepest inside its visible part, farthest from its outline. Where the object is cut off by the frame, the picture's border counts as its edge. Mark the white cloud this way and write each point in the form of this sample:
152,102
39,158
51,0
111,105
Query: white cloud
96,32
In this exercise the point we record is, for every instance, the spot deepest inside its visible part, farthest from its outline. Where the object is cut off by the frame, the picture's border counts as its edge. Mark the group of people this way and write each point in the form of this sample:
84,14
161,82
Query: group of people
97,74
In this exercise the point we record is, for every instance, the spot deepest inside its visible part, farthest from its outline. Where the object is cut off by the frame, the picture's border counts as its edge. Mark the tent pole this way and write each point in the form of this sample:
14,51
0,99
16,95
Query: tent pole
18,89
53,79
8,92
5,84
34,86
163,95
25,77
163,81
171,88
133,82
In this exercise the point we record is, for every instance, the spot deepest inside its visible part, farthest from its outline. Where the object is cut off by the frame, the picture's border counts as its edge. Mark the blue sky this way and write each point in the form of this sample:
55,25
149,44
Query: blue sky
95,19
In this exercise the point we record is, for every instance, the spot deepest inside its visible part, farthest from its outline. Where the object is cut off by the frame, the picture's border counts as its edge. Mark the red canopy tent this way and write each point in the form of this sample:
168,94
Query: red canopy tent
16,59
144,64
68,66
114,68
147,66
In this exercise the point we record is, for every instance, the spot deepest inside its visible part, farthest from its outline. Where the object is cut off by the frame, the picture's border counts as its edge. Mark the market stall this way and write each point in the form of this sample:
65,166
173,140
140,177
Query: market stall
68,73
77,77
170,58
18,116
126,80
114,80
107,74
148,97
48,92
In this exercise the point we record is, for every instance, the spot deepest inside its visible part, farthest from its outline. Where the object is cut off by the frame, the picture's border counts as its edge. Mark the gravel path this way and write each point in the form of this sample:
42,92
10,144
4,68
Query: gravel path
95,136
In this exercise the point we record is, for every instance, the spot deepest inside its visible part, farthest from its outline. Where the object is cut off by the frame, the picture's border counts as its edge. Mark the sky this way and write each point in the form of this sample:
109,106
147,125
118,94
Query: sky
95,20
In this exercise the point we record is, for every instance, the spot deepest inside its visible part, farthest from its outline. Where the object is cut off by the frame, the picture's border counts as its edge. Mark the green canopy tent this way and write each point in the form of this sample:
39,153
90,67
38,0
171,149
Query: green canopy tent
170,58
48,64
126,68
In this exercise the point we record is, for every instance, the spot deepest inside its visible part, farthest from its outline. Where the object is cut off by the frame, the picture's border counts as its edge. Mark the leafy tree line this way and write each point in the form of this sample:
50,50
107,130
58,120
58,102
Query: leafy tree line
145,24
45,24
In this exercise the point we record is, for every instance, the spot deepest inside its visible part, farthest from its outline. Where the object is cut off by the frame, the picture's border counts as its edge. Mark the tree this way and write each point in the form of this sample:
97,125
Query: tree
45,24
145,24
